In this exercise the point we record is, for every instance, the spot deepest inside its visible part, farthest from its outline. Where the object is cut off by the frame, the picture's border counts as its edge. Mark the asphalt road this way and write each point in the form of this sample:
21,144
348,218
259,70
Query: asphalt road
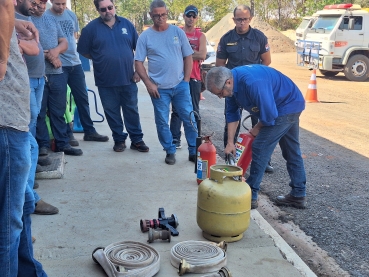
331,235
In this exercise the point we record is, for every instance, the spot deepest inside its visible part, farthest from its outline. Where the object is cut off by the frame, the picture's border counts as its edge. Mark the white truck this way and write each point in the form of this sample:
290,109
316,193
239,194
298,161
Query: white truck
338,42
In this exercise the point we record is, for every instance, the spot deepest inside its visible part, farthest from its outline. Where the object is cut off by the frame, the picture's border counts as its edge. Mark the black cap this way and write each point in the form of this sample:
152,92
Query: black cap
191,8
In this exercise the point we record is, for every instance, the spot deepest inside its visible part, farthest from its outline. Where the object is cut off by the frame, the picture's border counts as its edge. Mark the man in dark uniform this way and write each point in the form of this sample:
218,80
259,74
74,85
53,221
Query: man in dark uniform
242,46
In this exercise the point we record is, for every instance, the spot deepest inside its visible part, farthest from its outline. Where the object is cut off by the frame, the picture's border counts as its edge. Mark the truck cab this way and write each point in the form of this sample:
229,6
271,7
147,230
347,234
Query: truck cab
337,42
306,23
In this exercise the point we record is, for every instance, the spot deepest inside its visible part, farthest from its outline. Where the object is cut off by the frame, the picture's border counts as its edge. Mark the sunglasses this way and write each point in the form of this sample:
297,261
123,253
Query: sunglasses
191,15
240,20
104,9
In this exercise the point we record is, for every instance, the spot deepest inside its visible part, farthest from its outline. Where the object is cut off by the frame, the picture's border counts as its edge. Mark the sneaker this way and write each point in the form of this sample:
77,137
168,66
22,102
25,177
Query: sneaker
73,141
35,185
119,146
254,204
95,137
44,161
170,159
192,158
289,200
177,144
140,146
69,150
269,168
43,151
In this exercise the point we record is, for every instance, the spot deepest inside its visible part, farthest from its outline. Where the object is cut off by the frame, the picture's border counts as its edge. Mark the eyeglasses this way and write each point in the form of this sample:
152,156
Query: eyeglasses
220,95
157,16
240,20
104,9
191,15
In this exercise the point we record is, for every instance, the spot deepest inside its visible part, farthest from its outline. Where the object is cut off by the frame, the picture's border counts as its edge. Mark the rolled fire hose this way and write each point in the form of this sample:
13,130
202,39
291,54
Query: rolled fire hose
197,257
128,259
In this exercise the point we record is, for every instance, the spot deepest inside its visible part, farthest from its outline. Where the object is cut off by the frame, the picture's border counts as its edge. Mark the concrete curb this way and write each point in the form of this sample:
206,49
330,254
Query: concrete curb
286,250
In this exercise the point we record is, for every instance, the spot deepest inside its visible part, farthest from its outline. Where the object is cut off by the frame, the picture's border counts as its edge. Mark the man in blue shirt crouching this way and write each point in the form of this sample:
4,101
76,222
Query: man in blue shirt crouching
277,102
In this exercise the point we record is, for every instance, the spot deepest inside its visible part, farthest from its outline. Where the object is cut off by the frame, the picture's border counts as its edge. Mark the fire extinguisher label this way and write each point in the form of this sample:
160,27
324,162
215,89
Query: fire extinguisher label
202,169
239,150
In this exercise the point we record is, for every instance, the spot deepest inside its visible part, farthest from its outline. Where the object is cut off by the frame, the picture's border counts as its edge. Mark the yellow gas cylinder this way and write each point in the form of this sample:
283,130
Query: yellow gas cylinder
223,204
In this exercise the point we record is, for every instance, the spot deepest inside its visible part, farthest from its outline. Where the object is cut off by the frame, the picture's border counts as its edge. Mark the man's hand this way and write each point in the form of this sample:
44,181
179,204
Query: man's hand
136,78
3,67
230,148
152,89
26,30
54,60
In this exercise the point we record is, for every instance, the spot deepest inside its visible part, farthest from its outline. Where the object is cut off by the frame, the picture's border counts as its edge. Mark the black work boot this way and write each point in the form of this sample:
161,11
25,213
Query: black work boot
289,200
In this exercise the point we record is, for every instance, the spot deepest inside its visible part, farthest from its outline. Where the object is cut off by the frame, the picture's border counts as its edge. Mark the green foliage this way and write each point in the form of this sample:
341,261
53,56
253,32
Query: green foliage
282,14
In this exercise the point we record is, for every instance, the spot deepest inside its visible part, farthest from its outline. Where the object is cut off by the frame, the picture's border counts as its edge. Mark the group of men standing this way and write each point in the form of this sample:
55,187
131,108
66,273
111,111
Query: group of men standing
118,55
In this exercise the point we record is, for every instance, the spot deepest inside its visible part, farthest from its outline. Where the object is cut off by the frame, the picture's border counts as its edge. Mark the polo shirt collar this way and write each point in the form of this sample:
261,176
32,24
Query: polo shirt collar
249,35
117,19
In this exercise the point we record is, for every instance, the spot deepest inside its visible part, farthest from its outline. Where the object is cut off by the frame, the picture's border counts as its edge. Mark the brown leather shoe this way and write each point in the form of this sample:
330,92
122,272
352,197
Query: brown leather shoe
289,200
45,208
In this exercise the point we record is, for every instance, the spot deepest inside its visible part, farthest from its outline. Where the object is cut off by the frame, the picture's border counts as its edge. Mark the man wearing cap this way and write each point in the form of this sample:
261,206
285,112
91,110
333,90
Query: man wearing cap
198,43
169,56
241,46
277,102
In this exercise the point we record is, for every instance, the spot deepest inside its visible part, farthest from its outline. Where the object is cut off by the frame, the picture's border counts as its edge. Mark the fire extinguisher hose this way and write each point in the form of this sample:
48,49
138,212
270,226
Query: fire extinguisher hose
128,259
198,257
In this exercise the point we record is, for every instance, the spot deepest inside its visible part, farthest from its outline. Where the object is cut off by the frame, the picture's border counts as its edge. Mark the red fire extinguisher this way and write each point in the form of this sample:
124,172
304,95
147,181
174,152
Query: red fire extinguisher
206,157
244,148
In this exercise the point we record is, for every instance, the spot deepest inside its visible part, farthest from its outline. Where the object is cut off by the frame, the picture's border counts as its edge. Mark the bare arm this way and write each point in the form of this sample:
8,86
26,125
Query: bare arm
52,55
266,59
29,47
152,88
188,62
26,30
201,54
7,27
230,148
220,62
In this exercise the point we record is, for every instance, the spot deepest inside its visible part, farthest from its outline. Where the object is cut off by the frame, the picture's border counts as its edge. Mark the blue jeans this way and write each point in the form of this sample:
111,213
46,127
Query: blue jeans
55,101
113,99
286,132
32,172
16,201
37,90
175,121
181,101
75,78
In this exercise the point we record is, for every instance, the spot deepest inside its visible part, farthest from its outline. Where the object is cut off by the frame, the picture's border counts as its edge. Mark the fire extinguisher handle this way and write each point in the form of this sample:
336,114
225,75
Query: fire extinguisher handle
230,159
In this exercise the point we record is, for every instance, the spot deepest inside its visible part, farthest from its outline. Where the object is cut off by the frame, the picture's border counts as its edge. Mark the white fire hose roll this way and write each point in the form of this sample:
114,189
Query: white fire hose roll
133,259
197,257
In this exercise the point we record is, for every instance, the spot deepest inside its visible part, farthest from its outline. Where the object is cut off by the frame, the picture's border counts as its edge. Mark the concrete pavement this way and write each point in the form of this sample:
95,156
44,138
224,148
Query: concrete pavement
103,195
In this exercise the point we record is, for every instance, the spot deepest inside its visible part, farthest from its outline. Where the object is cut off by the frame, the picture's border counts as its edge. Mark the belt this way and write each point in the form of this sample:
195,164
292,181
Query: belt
195,80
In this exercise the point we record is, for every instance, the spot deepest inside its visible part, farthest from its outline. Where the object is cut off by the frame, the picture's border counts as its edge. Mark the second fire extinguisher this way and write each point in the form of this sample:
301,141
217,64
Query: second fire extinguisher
243,148
206,157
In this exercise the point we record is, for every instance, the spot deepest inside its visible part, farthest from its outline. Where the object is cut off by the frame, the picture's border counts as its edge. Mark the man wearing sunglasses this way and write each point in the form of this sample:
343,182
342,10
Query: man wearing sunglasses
198,43
109,41
241,46
169,56
277,102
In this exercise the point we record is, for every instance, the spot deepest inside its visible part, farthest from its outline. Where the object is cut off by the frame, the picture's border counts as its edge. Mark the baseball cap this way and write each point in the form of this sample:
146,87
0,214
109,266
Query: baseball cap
191,8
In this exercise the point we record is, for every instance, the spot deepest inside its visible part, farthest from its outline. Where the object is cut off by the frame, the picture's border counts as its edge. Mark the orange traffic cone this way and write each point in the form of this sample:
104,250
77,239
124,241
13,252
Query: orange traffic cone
312,93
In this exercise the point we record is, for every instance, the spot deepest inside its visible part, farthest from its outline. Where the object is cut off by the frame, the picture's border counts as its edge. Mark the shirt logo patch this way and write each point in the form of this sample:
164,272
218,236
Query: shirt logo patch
175,40
267,48
124,31
255,109
231,43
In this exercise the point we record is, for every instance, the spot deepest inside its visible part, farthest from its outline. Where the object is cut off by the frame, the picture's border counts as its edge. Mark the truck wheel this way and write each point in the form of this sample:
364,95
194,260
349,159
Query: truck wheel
328,73
357,68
